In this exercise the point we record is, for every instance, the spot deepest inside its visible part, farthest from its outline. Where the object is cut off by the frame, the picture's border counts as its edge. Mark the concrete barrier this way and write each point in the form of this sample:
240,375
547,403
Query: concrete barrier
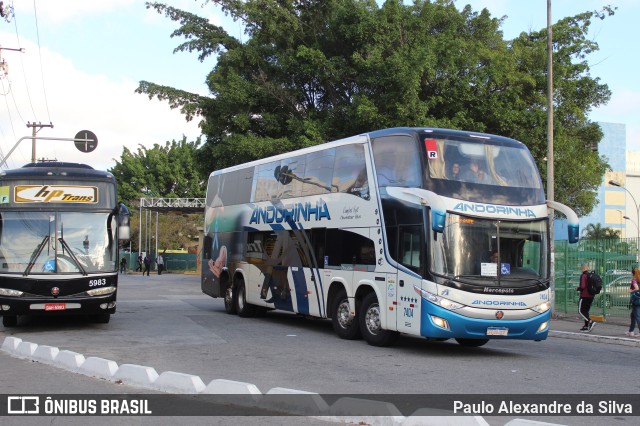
294,401
46,354
98,367
137,375
26,349
10,344
69,360
170,381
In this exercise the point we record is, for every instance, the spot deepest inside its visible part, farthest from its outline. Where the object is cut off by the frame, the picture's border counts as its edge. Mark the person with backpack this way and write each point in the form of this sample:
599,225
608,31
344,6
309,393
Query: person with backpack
634,291
147,265
586,299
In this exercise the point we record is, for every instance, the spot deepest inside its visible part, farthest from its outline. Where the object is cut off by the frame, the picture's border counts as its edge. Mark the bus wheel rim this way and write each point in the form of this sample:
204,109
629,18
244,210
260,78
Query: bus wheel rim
228,296
372,319
344,318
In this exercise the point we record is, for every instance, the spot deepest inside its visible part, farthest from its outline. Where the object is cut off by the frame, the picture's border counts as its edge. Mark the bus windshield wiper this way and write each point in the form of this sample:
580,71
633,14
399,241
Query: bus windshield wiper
35,255
72,256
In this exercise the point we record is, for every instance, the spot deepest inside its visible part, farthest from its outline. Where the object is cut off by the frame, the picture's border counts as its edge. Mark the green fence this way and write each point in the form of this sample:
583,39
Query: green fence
173,262
611,258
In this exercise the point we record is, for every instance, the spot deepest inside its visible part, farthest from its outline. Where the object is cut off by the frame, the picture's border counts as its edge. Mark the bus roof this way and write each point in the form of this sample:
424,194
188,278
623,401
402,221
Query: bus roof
364,137
57,169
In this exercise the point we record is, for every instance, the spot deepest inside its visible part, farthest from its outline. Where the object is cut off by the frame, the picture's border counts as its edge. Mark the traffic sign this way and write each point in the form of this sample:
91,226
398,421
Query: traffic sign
86,141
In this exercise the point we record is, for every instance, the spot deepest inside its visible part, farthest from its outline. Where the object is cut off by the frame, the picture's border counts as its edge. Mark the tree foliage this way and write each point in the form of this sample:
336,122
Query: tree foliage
598,232
316,70
162,171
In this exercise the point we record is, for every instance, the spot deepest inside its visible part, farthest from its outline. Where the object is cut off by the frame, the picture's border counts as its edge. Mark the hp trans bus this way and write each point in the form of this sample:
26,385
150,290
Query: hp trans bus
429,232
59,231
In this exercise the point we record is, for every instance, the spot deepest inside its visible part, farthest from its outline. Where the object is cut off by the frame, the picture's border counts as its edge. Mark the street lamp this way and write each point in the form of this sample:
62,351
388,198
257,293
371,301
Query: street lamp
637,222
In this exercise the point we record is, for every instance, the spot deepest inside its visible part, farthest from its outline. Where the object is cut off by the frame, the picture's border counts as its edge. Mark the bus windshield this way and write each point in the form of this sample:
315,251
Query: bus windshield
50,242
493,252
482,163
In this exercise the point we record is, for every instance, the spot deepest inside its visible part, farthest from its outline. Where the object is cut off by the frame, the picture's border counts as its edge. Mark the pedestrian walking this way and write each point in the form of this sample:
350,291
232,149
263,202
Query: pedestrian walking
139,263
160,263
634,291
147,265
586,299
123,265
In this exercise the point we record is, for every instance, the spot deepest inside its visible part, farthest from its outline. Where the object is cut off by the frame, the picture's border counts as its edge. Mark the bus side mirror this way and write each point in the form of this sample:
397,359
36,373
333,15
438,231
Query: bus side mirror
123,222
438,219
573,227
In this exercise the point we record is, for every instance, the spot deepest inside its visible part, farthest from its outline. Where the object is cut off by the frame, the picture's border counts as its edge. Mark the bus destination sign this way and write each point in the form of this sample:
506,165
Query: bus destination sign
55,194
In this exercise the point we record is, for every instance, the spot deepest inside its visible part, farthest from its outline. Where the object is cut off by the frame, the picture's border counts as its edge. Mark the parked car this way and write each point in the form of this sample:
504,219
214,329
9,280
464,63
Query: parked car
615,294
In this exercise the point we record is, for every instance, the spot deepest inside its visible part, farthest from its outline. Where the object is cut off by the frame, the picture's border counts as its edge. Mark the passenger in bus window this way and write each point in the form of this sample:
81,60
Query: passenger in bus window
455,172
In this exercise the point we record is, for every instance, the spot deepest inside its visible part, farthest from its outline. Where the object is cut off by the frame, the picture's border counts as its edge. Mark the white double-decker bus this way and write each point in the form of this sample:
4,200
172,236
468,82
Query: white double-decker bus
429,232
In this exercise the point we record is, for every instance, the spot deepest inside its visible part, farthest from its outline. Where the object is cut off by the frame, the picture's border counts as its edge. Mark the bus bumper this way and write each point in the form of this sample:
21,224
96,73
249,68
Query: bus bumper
471,328
60,306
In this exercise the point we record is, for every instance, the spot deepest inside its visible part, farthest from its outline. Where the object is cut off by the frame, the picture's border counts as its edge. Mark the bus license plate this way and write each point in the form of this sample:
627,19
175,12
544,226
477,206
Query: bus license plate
497,331
55,306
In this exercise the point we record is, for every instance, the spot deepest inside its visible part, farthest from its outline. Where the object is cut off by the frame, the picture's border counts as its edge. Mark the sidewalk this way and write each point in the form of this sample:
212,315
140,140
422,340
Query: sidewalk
568,327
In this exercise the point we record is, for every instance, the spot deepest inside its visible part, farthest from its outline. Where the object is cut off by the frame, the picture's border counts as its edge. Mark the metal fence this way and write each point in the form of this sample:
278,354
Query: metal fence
611,258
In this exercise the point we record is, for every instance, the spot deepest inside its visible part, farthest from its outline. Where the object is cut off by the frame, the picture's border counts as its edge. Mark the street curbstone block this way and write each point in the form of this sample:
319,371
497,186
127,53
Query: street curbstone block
171,381
70,360
46,354
26,349
98,367
295,402
138,375
10,344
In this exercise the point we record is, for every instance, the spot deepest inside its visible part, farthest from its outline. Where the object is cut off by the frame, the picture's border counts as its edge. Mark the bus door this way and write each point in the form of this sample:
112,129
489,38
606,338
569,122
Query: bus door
410,255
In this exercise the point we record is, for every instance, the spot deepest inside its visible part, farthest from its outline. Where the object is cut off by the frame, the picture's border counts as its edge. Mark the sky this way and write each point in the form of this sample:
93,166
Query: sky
83,60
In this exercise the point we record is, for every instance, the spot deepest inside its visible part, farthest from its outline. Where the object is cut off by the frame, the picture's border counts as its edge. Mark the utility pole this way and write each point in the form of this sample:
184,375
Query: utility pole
34,129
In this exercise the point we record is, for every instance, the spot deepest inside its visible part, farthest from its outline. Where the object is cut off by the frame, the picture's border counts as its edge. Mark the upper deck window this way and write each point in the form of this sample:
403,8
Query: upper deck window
481,162
397,161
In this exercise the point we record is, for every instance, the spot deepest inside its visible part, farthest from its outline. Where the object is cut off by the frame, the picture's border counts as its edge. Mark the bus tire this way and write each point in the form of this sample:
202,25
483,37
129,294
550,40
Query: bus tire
243,308
9,320
472,343
344,327
370,323
101,318
229,301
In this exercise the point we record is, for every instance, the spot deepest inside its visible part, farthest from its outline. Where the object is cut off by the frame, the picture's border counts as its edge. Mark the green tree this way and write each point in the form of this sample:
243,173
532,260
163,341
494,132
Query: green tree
598,232
317,70
162,171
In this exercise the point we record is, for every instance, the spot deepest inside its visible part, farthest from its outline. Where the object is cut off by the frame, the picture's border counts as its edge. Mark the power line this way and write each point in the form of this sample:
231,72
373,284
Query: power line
44,90
24,74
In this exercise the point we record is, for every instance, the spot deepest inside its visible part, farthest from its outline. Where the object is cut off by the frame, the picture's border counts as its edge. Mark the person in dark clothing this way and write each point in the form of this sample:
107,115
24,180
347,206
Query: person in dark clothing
123,265
586,298
147,265
139,263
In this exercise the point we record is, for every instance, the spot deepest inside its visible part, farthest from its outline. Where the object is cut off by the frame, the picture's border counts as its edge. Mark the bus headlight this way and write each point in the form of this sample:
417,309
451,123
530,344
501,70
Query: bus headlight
101,291
437,300
541,308
10,292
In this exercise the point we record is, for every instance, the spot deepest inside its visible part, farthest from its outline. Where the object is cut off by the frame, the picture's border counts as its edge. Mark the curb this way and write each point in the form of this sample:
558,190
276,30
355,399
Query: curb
383,413
624,341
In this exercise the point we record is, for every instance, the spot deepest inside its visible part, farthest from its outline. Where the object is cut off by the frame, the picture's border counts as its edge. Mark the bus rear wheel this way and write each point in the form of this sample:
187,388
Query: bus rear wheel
472,343
344,326
9,320
243,308
370,324
229,303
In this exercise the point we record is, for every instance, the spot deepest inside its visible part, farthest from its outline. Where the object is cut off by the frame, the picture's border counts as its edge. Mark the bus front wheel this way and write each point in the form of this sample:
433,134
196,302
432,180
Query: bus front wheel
243,308
472,343
370,323
344,325
10,320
